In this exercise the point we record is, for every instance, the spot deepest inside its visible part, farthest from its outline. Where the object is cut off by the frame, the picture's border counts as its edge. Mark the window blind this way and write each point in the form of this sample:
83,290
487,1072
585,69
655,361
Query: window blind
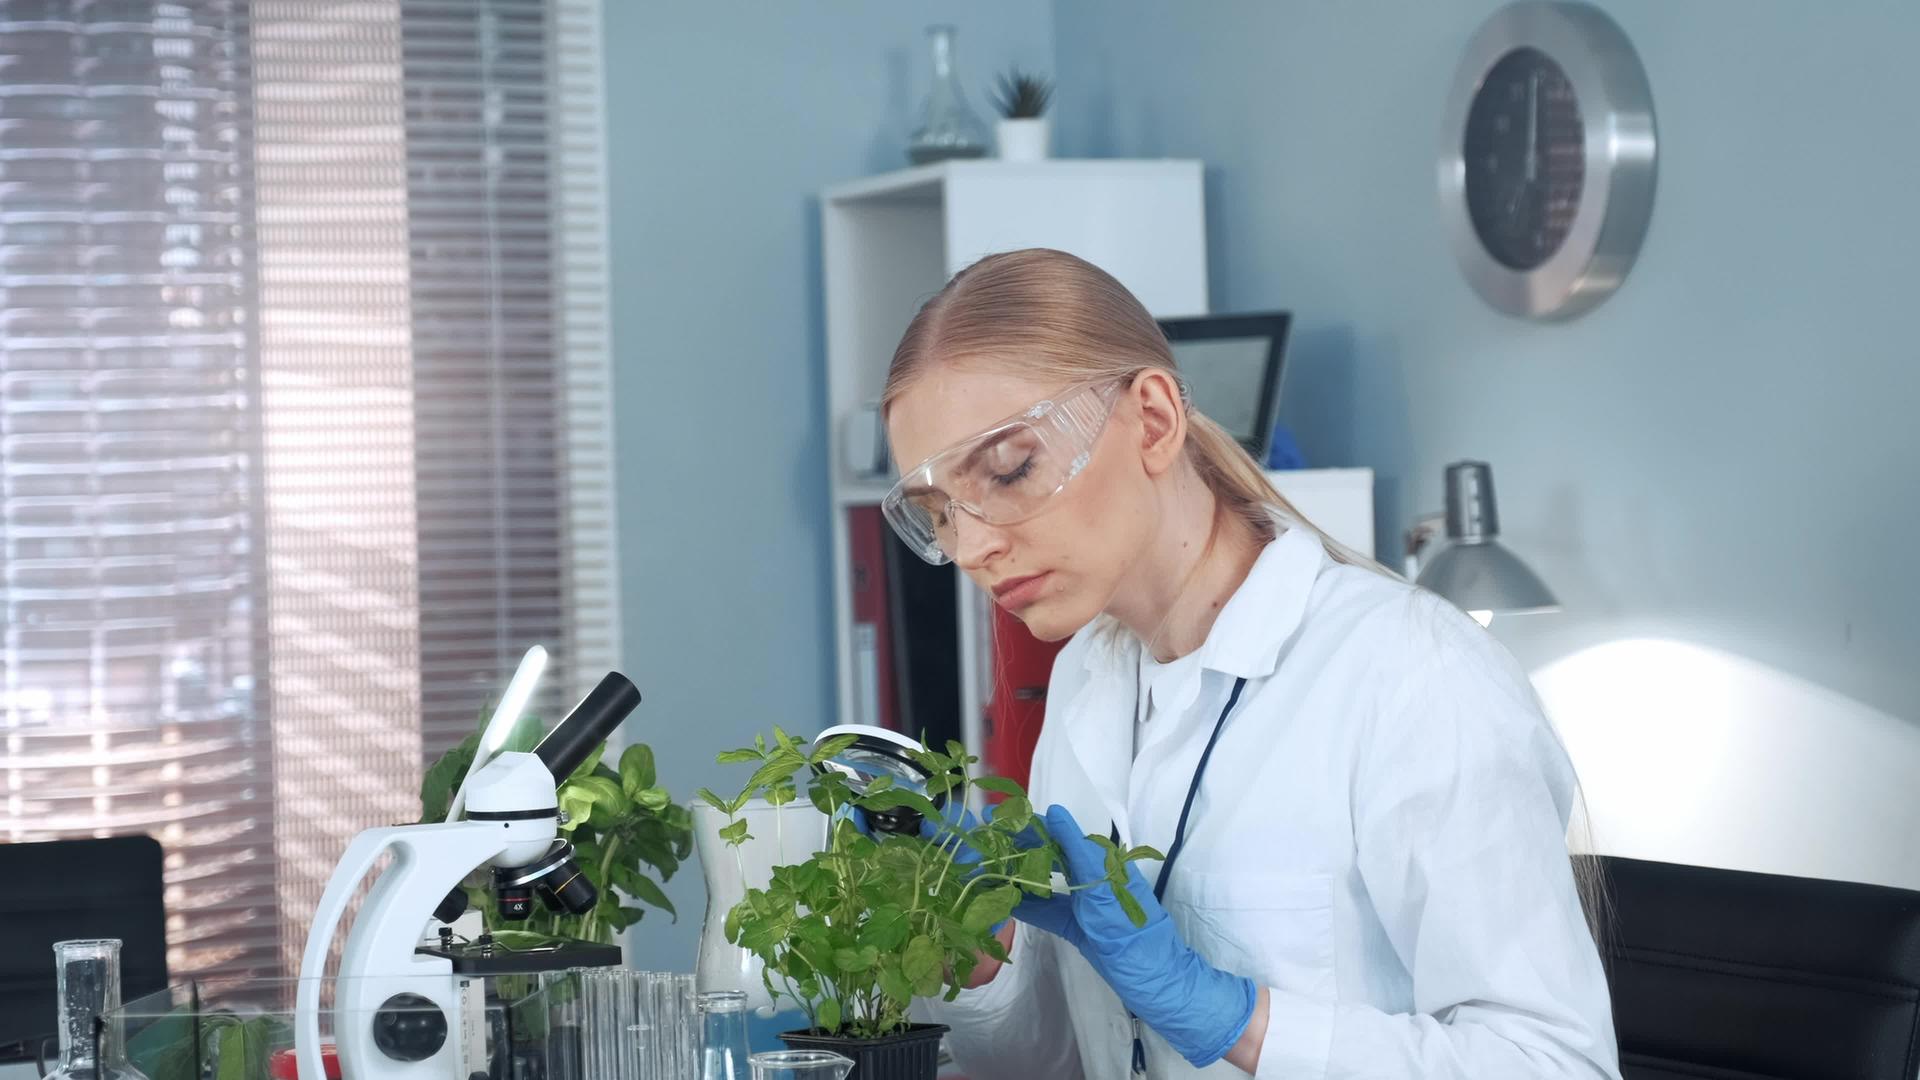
304,433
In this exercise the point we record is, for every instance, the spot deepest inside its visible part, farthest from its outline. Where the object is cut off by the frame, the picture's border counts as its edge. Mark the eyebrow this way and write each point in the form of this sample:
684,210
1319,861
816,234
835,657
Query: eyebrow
980,451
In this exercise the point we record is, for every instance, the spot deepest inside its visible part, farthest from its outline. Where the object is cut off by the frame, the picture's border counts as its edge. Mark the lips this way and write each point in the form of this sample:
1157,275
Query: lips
1016,593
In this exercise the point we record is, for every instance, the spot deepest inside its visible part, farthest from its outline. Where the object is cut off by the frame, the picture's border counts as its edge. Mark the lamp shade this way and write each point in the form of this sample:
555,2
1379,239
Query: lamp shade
1483,576
1473,570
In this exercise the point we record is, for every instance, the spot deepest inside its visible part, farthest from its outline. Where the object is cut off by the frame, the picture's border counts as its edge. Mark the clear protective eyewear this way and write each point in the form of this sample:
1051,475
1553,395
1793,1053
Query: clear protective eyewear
1003,475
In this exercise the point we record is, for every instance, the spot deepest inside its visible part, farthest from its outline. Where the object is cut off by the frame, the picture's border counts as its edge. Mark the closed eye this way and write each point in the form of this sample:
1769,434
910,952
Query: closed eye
1008,479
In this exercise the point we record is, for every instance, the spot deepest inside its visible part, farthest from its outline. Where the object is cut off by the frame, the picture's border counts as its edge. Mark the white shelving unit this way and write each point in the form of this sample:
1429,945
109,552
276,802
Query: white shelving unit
890,242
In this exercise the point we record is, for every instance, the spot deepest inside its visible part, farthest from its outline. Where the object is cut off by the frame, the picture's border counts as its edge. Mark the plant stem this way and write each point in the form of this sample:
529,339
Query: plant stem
606,863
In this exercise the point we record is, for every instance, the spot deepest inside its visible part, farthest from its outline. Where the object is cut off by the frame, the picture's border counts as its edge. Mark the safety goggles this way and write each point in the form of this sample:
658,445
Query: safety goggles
1003,475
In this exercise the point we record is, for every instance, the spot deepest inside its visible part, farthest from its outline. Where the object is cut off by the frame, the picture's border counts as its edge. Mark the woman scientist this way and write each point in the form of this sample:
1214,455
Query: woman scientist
1363,808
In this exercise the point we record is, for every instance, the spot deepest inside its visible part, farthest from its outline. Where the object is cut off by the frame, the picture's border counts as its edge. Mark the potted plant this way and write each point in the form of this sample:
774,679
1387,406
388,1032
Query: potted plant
857,931
621,823
1025,132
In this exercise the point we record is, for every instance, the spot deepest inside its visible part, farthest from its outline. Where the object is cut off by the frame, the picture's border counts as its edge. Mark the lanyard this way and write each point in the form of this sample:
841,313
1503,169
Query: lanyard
1179,842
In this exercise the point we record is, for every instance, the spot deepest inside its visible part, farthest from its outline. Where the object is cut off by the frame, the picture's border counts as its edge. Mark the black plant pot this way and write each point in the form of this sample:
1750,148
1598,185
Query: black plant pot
911,1054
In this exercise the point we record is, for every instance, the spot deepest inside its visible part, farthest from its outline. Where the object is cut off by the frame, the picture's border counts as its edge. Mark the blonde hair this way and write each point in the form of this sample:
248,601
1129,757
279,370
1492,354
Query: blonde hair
1066,319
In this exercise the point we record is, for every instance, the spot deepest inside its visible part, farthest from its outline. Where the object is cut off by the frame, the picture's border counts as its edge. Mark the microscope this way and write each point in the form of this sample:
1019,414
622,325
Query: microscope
404,1010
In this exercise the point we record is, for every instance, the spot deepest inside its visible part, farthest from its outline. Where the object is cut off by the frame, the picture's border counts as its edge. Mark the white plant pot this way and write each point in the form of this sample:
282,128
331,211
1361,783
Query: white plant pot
785,836
1025,140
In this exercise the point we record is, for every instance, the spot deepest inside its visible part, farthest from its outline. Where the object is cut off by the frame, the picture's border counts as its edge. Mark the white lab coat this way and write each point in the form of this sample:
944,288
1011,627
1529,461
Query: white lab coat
1379,839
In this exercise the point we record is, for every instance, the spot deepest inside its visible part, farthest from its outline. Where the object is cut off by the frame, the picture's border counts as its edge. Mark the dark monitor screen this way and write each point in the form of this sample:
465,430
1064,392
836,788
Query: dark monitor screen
65,890
1232,365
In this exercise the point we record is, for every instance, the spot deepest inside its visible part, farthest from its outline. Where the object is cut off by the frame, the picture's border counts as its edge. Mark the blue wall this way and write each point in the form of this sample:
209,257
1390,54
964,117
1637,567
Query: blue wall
724,119
1724,451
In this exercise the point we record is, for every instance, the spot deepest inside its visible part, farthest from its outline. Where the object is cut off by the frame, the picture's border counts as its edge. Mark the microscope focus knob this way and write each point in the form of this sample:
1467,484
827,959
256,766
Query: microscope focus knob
409,1027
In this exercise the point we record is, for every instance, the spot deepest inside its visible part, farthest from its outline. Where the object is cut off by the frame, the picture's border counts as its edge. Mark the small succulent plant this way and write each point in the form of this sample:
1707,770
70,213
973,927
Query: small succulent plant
1021,96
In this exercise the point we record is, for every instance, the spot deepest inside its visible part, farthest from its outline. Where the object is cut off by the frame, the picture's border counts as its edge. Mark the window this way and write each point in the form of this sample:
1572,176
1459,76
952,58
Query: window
303,420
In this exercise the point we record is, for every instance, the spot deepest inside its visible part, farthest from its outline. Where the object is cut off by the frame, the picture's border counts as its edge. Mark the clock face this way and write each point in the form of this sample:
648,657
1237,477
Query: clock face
1524,152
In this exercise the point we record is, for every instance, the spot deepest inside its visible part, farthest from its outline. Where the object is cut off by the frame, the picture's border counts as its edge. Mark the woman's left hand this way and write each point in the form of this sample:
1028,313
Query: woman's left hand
1200,1010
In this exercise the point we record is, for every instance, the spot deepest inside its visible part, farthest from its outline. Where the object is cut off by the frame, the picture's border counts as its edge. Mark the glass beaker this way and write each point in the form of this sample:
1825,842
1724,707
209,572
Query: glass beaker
723,1035
93,1042
801,1065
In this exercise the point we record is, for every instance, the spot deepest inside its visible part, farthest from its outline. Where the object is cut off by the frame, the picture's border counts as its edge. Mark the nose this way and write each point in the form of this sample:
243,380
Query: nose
974,541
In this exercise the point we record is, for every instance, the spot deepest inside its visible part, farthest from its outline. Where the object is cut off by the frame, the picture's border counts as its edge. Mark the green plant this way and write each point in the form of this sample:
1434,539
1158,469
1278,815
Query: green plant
858,930
232,1046
620,821
1021,96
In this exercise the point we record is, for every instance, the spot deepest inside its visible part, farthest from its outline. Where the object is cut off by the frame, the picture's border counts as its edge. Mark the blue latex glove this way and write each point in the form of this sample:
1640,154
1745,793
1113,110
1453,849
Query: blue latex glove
1200,1010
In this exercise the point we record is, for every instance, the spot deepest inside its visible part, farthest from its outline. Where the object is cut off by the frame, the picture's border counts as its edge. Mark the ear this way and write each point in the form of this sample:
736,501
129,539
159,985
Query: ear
1163,419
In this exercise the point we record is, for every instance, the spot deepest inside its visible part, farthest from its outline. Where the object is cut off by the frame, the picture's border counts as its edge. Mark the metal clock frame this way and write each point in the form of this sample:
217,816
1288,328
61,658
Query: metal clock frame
1616,196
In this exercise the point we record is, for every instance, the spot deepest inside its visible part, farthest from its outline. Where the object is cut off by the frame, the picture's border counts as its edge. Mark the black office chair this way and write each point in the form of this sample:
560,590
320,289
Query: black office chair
64,890
1737,976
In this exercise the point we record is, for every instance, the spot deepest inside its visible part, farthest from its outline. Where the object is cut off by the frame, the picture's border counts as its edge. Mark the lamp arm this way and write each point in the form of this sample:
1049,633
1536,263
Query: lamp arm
1421,533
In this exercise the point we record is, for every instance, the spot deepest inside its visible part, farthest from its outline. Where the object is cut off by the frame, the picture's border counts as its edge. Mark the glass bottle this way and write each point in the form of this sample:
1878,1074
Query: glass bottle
723,1035
948,127
89,986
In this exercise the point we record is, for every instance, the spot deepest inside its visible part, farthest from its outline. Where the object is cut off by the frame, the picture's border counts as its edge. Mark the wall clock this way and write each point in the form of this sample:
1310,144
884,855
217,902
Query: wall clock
1548,159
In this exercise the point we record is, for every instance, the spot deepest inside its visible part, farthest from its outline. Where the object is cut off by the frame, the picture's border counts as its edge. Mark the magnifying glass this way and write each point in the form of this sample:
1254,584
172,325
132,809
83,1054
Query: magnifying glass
877,752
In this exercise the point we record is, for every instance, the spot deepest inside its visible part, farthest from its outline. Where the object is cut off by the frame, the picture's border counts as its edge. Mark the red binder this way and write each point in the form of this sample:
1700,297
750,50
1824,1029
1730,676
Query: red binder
1022,664
875,699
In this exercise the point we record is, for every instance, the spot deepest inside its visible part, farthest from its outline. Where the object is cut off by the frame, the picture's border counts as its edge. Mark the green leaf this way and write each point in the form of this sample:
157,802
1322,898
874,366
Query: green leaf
899,797
636,770
642,888
991,907
1036,866
732,925
738,757
921,965
886,928
921,958
735,833
786,741
829,1014
608,802
999,784
655,799
779,766
1013,814
619,917
577,804
437,786
1128,904
242,1050
831,749
894,982
853,961
1144,852
707,796
879,784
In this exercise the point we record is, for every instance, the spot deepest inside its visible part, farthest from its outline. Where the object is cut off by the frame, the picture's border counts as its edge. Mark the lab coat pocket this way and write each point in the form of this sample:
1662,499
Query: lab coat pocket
1276,929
